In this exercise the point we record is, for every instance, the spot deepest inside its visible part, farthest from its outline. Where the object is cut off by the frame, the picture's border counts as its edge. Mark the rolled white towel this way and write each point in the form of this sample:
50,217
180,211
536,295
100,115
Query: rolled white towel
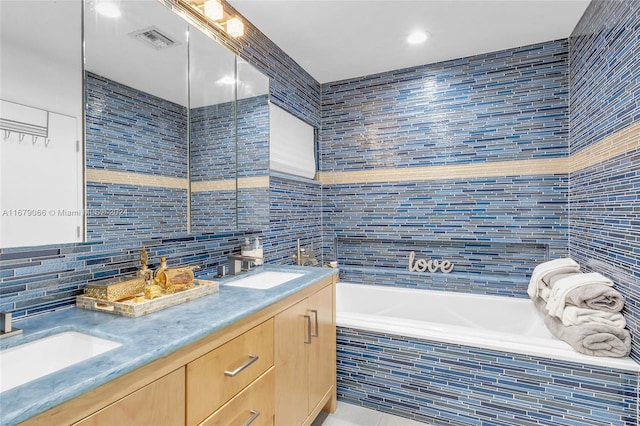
557,299
544,270
577,316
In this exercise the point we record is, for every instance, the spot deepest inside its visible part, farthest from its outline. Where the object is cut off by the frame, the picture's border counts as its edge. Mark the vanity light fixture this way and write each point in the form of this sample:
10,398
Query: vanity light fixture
417,37
213,10
108,9
235,27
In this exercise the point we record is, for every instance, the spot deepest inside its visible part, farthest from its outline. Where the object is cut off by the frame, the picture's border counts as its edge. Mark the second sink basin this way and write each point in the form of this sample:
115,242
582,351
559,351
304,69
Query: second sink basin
265,280
30,361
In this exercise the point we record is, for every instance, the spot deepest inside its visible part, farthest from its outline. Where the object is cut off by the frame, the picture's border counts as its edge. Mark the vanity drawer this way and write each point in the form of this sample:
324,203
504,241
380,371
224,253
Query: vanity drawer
255,405
216,377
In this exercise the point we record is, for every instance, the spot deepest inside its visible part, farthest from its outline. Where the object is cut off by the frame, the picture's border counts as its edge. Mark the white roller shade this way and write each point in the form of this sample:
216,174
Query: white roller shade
291,144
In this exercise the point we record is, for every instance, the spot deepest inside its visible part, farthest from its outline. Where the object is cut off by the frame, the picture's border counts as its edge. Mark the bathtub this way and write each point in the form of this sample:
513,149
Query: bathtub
498,323
448,358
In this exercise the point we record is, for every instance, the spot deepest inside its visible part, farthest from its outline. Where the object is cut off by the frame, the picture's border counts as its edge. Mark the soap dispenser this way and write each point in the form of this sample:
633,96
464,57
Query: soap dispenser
257,252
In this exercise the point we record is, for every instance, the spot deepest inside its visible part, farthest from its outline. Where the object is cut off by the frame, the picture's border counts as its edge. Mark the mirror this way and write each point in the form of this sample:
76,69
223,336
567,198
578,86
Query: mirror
136,126
161,154
212,124
253,148
41,182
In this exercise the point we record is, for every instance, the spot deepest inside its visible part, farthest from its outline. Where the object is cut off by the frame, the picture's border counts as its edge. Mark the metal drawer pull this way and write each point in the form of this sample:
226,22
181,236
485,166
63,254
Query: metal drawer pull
252,359
254,415
308,317
317,330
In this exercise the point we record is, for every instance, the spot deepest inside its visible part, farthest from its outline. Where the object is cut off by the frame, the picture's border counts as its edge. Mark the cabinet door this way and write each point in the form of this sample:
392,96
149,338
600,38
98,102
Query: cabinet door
322,356
159,403
291,362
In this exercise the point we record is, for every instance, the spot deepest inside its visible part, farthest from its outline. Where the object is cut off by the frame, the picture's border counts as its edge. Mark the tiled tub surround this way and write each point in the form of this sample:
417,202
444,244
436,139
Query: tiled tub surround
136,161
471,150
144,339
605,148
448,384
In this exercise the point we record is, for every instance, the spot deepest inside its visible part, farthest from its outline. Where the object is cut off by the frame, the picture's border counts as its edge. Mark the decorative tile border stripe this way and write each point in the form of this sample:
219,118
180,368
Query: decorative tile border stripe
626,140
623,141
455,171
139,179
230,184
214,185
253,182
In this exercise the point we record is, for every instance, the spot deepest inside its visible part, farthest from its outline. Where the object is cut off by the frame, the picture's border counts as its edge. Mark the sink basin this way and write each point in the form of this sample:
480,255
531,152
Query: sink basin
265,280
30,361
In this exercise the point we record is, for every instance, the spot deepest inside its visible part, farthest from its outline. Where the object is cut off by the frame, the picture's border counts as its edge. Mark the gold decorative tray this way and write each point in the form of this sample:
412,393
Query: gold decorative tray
134,307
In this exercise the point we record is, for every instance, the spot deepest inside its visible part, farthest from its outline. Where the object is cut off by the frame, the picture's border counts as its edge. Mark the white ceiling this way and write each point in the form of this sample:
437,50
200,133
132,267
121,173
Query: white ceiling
112,52
339,39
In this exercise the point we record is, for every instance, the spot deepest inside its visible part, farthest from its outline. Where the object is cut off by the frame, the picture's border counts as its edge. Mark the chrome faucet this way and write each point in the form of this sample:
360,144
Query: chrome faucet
303,257
6,329
239,263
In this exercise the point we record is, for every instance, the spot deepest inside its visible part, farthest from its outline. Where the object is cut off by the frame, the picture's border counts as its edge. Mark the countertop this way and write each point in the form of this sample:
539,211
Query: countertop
144,339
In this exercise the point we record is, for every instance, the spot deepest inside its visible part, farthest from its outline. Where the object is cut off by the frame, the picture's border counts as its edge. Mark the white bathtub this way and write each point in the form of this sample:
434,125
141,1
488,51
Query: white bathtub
504,324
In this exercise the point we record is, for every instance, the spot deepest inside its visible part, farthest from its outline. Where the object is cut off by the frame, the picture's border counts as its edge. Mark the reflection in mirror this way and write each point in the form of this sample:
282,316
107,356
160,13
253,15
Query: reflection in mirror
253,148
136,121
212,134
40,122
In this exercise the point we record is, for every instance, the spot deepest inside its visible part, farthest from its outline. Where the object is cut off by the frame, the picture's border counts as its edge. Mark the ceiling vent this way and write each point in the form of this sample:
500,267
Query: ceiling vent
155,38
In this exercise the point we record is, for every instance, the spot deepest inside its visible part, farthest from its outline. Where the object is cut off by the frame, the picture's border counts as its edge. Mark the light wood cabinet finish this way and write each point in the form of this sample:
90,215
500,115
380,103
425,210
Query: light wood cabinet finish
322,357
291,360
305,358
159,403
161,392
209,383
256,402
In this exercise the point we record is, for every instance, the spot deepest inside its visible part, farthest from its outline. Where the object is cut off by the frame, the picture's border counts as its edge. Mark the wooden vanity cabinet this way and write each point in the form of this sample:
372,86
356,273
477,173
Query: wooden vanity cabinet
158,403
305,358
216,377
216,381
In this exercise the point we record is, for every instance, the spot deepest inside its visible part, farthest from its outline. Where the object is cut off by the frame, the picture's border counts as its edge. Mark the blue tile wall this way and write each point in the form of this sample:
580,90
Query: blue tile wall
295,213
253,161
604,71
116,211
446,384
128,130
510,105
603,198
41,279
506,105
212,149
253,136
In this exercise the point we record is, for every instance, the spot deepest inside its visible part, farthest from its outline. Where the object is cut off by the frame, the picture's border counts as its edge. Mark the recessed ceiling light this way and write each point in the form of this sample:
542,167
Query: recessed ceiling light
417,37
108,9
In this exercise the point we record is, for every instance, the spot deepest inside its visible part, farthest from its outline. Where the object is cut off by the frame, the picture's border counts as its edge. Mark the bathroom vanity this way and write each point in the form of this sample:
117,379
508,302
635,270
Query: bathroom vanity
228,358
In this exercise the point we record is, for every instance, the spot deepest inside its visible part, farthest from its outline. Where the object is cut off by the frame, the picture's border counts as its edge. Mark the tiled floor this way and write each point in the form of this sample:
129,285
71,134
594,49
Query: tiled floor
353,415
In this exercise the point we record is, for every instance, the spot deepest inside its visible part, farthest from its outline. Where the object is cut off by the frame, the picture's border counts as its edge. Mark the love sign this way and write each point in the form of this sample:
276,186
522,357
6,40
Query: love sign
431,265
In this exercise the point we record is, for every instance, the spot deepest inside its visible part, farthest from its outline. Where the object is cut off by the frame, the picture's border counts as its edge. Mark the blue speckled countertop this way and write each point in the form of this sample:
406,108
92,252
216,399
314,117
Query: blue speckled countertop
144,339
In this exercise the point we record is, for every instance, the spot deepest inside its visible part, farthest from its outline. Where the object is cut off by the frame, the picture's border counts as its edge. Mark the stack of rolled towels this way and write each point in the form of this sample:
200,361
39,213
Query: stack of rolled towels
583,309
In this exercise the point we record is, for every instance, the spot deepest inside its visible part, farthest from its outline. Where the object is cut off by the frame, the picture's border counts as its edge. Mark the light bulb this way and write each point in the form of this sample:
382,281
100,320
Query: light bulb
417,37
213,10
235,27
